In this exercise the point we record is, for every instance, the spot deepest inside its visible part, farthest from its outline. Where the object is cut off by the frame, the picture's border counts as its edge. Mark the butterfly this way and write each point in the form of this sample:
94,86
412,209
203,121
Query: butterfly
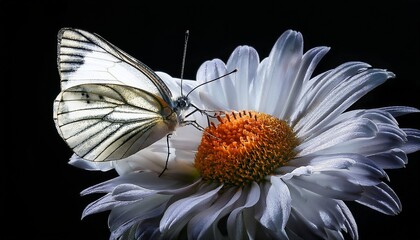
111,105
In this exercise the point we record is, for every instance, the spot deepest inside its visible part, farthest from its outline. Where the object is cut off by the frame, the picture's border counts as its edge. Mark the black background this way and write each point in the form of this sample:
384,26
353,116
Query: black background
40,191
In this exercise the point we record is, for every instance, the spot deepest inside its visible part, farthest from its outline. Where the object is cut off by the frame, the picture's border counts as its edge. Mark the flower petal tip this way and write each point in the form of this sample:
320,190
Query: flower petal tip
390,74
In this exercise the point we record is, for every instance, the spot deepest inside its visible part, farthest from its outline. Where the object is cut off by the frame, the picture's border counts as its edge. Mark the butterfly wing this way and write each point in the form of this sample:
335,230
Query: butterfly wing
85,57
111,105
102,122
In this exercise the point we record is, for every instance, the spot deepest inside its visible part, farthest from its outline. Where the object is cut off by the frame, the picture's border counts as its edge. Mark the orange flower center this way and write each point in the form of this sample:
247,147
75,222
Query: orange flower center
244,147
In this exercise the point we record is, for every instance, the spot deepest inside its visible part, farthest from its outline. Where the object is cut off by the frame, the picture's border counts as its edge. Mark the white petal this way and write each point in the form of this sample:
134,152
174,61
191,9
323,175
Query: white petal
245,59
180,212
258,85
298,227
341,133
413,140
344,178
184,139
339,99
320,218
213,103
349,221
206,220
363,170
363,131
317,88
221,90
147,180
146,159
397,111
278,207
375,115
122,218
329,186
147,229
324,162
391,159
131,192
104,203
282,66
382,199
236,221
388,137
309,61
89,165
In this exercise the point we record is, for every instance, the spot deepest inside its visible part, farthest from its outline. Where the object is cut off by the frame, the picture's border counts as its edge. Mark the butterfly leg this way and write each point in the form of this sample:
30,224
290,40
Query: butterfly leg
205,112
194,124
169,153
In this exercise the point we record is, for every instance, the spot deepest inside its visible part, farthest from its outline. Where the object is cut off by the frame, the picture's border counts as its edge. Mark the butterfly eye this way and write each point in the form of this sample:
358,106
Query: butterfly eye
183,104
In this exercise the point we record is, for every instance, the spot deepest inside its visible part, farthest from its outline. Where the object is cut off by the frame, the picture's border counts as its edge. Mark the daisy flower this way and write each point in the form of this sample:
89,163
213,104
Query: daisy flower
279,162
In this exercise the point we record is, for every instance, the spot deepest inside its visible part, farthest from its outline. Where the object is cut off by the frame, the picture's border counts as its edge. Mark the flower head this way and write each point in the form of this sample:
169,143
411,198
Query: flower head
278,160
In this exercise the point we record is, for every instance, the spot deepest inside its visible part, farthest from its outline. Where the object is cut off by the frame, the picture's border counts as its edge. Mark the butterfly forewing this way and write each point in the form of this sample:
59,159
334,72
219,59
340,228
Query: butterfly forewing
85,57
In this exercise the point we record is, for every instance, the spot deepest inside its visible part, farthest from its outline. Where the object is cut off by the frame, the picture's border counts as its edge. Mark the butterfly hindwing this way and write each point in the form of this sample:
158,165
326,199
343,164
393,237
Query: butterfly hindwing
102,122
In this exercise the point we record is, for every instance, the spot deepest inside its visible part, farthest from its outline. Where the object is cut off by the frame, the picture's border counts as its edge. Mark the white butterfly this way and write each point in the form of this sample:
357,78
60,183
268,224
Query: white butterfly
97,113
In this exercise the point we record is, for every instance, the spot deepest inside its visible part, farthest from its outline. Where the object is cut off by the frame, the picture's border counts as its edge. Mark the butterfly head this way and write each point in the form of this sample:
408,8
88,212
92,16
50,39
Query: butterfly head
182,103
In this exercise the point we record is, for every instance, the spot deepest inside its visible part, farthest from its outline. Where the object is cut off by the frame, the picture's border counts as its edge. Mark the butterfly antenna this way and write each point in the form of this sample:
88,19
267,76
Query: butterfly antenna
187,33
202,84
